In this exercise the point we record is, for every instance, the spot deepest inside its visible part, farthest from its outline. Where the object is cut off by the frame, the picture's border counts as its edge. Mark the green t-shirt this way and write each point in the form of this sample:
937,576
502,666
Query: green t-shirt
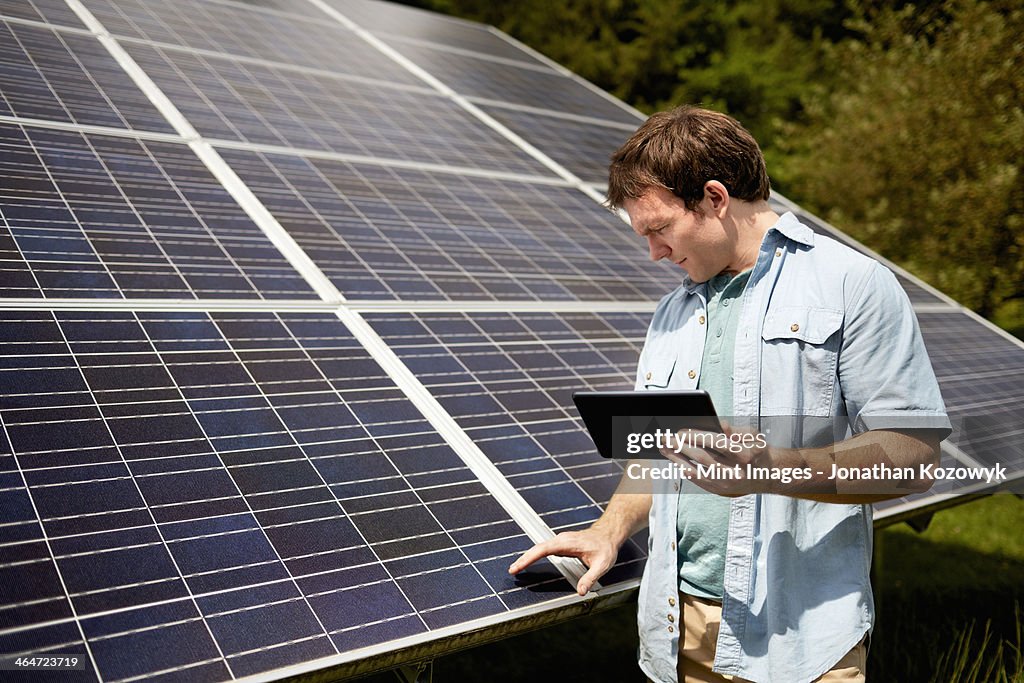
702,523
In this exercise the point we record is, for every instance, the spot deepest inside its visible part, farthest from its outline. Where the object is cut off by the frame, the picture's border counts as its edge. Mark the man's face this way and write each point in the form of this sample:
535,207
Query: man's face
698,244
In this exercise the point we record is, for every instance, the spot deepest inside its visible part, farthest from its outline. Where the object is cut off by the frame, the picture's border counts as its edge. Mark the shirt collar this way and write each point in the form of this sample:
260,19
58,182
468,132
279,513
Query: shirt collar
787,227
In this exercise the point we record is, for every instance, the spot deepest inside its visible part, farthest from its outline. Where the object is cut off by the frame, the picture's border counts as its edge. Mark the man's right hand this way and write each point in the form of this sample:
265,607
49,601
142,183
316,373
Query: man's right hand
595,547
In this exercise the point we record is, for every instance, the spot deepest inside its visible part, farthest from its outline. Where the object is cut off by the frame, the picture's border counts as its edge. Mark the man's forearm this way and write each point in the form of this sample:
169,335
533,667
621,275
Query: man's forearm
626,514
884,464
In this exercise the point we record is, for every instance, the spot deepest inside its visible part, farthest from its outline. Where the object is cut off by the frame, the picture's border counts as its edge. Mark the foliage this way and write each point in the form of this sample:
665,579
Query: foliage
917,150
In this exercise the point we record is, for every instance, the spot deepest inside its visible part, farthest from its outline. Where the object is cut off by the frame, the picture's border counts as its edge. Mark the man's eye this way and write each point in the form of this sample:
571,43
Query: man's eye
661,230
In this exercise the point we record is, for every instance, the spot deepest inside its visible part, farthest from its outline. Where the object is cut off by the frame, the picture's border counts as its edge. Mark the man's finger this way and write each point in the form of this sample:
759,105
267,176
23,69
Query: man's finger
554,546
588,580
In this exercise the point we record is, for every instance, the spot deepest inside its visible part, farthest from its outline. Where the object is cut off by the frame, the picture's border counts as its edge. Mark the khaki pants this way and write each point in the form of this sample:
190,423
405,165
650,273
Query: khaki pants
701,620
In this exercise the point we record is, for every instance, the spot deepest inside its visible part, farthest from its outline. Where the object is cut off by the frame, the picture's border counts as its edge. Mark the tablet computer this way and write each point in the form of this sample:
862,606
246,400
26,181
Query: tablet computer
618,420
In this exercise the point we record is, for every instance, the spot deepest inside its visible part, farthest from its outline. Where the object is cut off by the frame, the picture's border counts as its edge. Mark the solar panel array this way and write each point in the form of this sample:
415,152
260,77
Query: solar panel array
294,298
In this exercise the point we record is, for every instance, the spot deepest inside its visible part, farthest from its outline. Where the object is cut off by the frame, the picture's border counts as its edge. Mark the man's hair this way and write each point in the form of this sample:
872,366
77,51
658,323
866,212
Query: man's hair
680,150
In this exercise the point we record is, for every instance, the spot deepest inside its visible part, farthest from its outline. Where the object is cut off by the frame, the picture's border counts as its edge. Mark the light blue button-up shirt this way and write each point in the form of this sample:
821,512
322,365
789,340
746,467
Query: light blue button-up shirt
827,333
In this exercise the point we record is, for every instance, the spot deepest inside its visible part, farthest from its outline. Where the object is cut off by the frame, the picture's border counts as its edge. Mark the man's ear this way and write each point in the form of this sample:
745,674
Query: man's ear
716,198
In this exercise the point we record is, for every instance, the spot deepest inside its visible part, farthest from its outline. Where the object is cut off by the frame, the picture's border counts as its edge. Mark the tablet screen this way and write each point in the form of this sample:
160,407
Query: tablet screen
634,424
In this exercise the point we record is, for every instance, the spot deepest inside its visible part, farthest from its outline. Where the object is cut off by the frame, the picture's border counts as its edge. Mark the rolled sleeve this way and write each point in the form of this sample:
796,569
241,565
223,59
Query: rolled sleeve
886,376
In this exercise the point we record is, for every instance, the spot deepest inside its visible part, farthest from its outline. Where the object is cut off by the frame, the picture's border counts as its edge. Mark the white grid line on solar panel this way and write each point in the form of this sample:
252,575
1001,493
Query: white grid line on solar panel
487,236
67,76
261,104
129,133
137,218
583,148
40,11
437,29
506,83
227,29
389,163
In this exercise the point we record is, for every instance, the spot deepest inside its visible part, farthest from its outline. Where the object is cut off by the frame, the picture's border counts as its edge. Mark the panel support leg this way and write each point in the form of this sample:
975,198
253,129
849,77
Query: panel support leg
417,673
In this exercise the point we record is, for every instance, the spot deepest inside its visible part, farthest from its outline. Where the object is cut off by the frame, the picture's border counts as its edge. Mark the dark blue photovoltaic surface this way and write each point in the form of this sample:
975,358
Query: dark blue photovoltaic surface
533,87
229,493
229,99
508,380
91,216
582,148
69,77
50,11
301,36
389,233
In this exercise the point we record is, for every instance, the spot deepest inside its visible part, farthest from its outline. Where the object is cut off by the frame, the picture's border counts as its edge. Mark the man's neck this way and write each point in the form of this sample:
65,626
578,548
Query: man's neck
750,222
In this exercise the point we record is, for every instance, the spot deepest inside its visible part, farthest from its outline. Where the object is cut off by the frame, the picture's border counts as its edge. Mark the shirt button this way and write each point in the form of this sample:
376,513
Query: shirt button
778,252
647,376
672,602
725,302
701,320
671,630
794,327
671,618
672,545
691,374
719,333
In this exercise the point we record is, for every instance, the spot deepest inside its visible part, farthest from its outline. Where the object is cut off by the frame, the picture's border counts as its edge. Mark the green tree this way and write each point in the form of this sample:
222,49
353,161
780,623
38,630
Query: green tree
918,150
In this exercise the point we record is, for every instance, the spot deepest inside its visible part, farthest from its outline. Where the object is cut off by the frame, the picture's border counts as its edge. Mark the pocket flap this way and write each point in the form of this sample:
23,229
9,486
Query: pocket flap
812,325
657,371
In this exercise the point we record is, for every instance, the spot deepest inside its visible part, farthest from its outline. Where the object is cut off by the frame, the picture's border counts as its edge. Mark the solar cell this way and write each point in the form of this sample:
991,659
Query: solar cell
538,87
261,103
96,216
69,77
584,147
443,32
233,492
394,233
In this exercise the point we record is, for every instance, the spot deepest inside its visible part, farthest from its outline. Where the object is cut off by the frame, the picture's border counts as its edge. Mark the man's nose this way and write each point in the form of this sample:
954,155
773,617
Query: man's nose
657,249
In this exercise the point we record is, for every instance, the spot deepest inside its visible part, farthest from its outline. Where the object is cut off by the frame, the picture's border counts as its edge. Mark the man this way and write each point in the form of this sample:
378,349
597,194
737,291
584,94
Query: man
769,580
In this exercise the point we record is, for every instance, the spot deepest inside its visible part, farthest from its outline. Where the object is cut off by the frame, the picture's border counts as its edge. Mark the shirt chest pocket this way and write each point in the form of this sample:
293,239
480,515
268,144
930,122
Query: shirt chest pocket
799,356
656,372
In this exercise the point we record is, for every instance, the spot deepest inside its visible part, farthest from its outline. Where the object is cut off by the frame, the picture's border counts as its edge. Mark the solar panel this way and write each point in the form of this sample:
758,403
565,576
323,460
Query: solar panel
583,146
488,80
226,98
226,454
67,76
250,489
99,216
47,11
385,232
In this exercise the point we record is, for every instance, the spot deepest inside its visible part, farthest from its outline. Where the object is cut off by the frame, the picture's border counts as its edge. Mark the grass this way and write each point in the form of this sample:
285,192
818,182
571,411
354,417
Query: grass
950,603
